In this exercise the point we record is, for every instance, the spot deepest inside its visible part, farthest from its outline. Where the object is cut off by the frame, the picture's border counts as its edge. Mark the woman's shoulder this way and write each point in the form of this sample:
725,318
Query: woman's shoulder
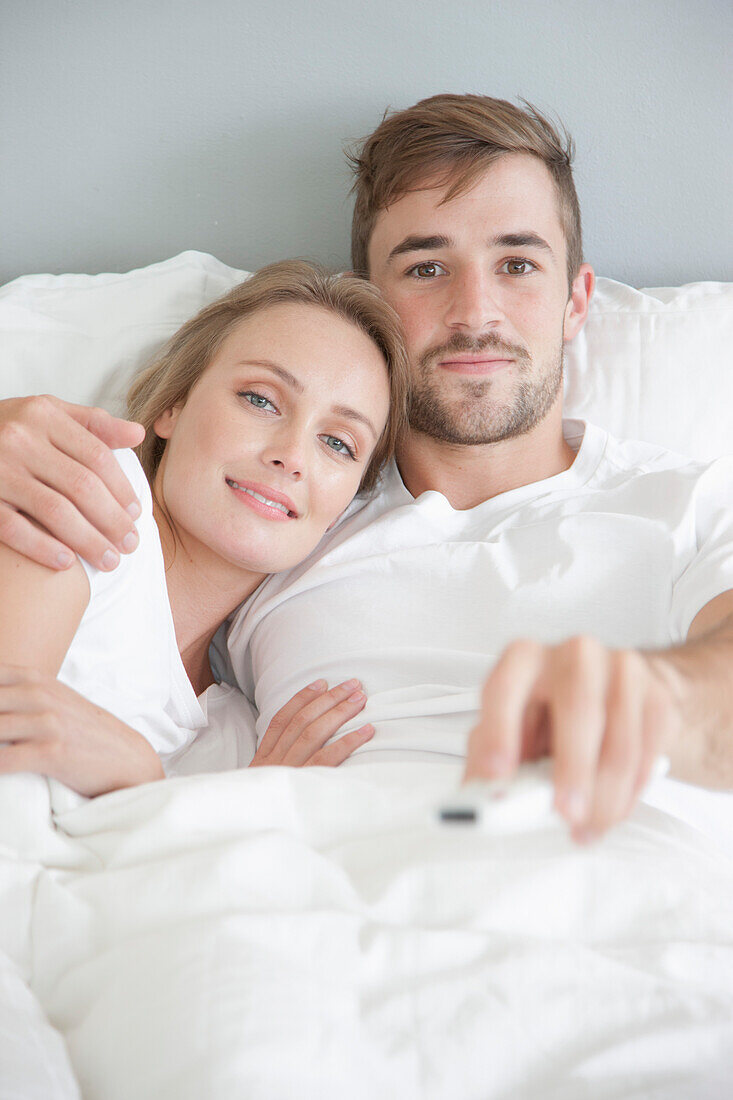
129,463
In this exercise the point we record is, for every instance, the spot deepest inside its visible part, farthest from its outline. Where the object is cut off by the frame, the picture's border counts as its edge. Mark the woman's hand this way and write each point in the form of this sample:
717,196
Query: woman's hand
298,733
50,729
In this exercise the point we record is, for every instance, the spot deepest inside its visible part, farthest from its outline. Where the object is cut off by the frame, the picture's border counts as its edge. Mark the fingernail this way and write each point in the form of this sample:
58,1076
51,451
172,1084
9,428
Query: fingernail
63,559
351,683
130,541
585,836
134,509
367,730
109,559
318,685
356,697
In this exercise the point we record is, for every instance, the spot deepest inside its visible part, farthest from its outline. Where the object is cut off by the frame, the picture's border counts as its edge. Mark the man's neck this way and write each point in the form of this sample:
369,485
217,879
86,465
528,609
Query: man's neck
469,475
202,591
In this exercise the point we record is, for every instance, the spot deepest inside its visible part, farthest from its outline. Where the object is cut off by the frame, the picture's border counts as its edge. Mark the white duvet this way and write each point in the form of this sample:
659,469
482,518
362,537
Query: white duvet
274,934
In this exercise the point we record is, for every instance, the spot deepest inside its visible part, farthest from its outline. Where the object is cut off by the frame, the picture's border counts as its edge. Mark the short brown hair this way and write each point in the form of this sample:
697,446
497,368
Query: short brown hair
456,137
169,379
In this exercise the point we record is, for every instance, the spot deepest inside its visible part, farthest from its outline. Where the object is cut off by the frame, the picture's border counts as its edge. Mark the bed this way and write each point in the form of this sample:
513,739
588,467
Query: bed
291,934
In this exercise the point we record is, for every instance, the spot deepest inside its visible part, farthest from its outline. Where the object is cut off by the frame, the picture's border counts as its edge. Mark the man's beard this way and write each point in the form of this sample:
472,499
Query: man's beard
471,418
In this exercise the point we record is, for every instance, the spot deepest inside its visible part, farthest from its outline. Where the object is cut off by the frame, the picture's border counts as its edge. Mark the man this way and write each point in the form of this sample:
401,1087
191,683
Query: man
592,580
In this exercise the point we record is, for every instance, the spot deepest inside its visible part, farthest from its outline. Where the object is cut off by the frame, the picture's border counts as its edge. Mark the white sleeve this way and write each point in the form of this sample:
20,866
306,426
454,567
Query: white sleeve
710,570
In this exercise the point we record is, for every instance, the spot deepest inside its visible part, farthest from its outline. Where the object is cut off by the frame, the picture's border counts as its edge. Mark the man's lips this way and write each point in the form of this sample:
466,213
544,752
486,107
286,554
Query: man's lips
264,500
475,364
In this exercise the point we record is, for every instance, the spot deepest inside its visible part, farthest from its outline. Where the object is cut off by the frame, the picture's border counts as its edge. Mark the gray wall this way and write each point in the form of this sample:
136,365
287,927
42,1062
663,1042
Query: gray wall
130,130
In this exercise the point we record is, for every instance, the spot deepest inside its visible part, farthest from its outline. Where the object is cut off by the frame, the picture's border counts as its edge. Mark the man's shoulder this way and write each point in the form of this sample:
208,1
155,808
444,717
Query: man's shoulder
638,457
659,481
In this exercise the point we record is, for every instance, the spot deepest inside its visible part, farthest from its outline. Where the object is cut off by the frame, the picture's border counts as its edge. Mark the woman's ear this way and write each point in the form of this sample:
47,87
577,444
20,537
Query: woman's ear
166,422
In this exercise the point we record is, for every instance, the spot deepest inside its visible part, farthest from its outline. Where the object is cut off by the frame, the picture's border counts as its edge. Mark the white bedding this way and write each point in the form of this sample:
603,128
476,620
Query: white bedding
283,934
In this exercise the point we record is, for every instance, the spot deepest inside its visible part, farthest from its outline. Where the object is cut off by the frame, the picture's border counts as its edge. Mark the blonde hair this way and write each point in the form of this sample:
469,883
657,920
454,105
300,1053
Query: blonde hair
169,379
454,138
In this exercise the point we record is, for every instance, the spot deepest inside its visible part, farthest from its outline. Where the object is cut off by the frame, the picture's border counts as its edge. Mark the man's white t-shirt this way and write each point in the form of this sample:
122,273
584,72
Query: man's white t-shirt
418,599
124,655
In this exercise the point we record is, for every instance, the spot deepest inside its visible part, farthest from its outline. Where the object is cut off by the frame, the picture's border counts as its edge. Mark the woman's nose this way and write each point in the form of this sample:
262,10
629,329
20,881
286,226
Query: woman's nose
287,456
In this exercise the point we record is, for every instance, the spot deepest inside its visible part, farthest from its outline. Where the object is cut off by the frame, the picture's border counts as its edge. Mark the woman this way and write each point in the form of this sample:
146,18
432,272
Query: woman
264,416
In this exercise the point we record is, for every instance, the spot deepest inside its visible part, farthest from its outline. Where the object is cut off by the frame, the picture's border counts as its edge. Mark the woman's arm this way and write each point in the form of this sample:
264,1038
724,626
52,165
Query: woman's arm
50,729
41,611
46,727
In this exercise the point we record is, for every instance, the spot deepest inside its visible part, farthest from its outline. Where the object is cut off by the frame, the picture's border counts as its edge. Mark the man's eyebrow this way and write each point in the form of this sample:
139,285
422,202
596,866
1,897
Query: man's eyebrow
286,376
520,240
525,239
292,381
418,244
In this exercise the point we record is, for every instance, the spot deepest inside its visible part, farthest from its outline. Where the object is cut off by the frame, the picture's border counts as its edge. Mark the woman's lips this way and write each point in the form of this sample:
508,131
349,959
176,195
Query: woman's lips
475,366
262,507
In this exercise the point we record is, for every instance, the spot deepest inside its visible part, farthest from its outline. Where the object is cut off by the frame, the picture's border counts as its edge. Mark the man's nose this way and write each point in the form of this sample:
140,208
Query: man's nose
472,305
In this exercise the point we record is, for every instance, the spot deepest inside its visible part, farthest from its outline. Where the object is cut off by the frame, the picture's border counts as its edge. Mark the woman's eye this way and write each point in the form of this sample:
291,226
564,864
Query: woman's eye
518,267
428,270
338,445
256,399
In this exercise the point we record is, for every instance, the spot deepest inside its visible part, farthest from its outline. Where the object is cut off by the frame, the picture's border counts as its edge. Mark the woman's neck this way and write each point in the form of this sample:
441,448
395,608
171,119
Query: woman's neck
203,589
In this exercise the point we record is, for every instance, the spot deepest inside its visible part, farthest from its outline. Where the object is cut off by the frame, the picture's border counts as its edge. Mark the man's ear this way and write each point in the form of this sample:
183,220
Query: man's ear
166,422
581,292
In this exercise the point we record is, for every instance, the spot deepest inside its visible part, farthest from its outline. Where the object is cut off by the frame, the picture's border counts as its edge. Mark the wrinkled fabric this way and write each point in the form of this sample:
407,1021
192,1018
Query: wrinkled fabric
314,933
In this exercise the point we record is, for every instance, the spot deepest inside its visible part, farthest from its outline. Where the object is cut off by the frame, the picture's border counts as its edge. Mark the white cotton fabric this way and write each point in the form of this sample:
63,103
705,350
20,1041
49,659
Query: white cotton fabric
124,655
313,933
227,740
418,599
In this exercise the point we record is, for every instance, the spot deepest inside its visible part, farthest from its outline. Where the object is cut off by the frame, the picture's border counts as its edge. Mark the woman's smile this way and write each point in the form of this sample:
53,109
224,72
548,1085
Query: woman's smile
268,502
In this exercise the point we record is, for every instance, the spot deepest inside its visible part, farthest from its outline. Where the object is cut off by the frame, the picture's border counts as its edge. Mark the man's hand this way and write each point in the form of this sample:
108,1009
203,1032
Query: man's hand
56,467
602,714
50,729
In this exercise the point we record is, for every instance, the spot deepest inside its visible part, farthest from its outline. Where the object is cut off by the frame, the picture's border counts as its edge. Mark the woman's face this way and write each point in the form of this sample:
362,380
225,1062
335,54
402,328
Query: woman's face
290,409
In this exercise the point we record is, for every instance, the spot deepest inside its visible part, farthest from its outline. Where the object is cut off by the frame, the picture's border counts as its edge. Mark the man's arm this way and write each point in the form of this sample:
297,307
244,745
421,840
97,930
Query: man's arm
604,715
56,467
700,680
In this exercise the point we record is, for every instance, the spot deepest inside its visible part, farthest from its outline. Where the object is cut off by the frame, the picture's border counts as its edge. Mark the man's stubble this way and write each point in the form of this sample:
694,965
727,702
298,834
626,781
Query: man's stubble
472,418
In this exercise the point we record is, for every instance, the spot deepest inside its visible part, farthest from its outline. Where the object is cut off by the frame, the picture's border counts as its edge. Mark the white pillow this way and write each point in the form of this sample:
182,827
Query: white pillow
82,337
657,365
649,364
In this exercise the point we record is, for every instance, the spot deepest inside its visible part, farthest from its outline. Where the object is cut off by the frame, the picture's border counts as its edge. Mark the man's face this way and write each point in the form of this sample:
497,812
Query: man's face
481,286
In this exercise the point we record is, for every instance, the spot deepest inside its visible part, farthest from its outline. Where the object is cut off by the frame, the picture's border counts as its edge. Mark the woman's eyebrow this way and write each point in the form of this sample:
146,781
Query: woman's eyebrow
286,376
292,381
353,414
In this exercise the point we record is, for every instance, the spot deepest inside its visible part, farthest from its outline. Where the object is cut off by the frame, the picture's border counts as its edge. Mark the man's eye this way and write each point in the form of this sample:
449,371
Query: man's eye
338,445
518,267
427,270
257,399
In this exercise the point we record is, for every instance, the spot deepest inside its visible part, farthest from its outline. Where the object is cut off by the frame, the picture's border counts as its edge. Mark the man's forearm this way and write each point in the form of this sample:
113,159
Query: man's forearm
699,675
